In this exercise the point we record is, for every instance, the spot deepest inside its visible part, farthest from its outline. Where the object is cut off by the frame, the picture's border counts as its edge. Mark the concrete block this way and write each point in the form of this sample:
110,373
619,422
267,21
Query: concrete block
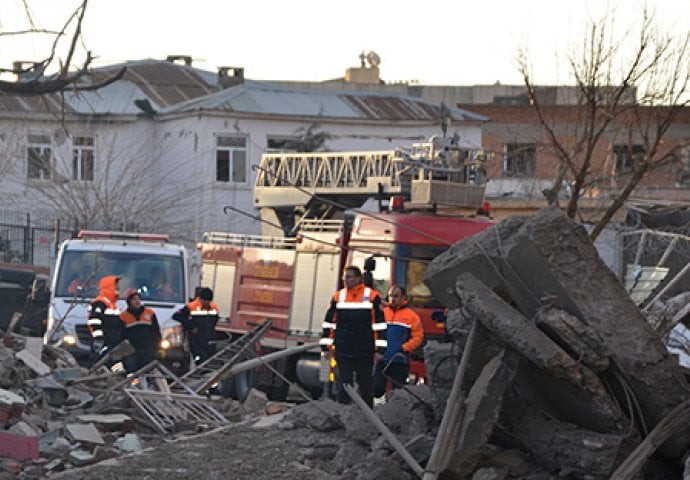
24,429
65,374
47,439
33,362
256,401
108,422
81,457
129,443
83,433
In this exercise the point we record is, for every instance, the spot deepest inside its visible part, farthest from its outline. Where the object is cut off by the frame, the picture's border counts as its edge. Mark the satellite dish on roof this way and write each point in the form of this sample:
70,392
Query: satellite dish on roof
373,59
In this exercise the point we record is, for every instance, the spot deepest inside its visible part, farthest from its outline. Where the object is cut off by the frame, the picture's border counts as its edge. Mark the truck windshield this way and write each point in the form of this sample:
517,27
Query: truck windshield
157,277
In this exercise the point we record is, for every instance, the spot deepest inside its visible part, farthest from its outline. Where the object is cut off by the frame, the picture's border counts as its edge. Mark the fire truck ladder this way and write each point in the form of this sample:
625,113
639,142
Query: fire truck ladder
213,369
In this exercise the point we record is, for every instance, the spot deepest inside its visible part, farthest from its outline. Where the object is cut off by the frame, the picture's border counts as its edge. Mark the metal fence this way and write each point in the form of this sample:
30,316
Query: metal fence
30,238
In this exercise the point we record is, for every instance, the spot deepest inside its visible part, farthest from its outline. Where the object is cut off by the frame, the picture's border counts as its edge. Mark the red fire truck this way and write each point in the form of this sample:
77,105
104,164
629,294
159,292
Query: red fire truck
291,278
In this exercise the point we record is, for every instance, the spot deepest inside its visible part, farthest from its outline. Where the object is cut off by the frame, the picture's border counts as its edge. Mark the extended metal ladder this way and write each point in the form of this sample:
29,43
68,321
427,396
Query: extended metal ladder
213,369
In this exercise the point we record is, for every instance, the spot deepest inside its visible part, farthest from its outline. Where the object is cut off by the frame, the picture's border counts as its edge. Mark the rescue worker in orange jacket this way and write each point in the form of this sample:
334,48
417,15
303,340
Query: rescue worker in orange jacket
404,335
104,317
353,322
199,318
142,330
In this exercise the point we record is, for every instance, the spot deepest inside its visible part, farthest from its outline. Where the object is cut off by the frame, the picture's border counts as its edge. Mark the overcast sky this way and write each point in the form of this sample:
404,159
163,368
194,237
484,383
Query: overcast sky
439,42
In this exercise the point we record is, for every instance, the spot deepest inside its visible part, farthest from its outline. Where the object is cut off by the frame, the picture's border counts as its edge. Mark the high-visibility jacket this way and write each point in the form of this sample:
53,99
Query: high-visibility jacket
354,322
195,316
141,328
104,315
404,333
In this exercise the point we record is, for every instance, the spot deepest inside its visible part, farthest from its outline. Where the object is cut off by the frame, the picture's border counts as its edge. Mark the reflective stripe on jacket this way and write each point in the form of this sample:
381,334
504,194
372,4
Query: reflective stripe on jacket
354,322
104,315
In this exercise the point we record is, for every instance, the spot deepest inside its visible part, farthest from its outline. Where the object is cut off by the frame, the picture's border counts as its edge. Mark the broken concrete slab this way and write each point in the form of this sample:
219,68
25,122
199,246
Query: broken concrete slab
547,257
256,401
66,374
482,408
24,429
33,362
108,422
83,433
592,405
11,405
81,457
321,415
564,447
55,393
46,440
573,336
129,443
34,345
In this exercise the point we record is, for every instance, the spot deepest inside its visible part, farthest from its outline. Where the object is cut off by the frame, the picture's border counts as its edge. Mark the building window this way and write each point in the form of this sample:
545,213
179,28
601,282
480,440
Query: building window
281,143
520,160
626,156
83,153
231,159
38,157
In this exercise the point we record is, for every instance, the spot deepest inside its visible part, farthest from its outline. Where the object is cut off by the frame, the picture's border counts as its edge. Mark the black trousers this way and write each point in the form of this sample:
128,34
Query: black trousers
349,368
395,372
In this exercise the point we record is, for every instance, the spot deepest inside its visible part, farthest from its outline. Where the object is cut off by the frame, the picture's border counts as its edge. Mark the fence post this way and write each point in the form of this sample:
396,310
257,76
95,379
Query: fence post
28,246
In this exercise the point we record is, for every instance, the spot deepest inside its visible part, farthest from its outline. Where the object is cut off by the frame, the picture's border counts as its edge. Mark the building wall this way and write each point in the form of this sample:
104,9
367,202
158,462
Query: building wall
160,175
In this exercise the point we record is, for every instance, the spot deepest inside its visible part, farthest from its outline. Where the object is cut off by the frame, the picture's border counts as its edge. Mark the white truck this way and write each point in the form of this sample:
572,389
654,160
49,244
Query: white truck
148,262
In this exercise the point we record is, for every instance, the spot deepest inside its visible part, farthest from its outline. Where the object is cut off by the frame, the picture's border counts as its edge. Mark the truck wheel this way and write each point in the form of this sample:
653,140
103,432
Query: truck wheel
238,386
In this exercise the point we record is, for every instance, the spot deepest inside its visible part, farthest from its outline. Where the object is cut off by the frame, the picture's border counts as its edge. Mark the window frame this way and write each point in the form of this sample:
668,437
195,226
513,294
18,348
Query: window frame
526,153
230,151
626,156
281,140
45,172
79,161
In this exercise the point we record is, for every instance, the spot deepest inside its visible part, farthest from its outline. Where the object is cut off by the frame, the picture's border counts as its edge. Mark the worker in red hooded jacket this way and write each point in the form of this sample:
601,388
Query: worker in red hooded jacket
104,317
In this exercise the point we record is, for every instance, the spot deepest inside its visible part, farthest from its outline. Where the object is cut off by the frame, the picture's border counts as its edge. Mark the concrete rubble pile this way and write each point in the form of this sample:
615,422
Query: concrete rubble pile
563,374
56,415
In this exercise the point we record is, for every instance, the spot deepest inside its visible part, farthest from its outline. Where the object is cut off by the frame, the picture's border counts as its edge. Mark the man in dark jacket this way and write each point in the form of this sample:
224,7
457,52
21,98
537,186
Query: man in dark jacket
199,318
104,317
352,324
142,330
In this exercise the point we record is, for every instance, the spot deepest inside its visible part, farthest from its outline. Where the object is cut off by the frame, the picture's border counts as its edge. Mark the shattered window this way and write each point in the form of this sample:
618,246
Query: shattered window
520,160
626,157
281,143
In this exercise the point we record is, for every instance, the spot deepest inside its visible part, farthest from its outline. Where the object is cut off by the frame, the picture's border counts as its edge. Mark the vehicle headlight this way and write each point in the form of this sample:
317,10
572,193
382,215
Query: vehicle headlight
171,337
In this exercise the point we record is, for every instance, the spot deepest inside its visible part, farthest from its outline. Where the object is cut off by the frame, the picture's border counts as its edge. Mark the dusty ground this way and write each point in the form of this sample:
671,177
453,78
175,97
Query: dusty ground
239,451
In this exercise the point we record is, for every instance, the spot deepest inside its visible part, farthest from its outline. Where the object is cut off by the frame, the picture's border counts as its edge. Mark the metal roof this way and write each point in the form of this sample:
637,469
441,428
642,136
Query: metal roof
274,99
174,88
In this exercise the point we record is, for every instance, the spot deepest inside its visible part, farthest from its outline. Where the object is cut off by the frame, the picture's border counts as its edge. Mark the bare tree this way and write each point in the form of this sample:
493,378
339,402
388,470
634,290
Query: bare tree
34,79
114,187
632,98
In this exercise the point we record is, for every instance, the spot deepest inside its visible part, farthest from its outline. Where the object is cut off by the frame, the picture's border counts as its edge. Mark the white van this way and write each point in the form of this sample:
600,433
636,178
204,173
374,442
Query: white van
146,262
